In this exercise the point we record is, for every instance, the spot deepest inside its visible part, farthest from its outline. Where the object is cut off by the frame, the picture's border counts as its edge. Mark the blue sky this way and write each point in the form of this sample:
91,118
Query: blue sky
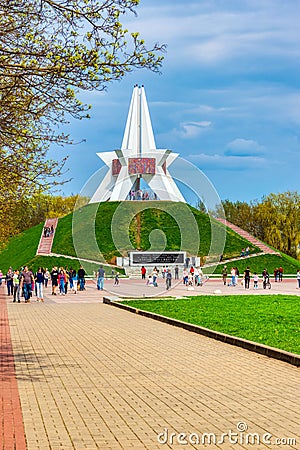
228,98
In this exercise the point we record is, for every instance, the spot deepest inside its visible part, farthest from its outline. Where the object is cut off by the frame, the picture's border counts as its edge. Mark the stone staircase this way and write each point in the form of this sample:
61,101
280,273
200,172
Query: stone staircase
45,244
249,237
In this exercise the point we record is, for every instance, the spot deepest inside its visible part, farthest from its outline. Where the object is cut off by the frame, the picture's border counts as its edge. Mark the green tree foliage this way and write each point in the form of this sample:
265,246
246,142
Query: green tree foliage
27,212
50,51
275,219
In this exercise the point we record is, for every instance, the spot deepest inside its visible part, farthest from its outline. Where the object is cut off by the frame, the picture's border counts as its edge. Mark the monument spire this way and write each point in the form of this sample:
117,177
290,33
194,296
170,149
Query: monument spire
137,159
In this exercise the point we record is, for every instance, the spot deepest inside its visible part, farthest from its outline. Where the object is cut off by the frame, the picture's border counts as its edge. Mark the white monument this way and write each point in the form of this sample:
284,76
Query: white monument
137,159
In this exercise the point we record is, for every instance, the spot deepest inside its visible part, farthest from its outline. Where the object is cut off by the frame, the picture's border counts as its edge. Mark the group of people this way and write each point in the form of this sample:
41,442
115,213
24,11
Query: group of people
25,283
141,195
152,279
245,251
278,274
65,279
247,275
190,276
48,231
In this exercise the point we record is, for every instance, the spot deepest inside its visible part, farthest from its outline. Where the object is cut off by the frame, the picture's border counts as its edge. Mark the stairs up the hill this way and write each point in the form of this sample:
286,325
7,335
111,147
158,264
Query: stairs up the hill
249,237
45,244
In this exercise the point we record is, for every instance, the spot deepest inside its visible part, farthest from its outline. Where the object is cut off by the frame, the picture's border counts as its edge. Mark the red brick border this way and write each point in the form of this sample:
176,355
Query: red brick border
12,434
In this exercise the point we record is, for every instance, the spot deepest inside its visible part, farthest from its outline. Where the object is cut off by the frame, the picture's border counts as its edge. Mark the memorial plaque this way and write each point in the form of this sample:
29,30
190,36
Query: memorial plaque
141,166
155,258
116,167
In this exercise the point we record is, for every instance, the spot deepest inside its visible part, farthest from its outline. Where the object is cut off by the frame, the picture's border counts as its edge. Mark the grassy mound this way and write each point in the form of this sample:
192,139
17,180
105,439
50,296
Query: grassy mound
161,224
268,319
21,248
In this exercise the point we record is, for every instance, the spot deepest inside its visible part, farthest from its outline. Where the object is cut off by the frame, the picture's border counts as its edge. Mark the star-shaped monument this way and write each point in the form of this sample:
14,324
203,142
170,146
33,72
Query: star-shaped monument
137,159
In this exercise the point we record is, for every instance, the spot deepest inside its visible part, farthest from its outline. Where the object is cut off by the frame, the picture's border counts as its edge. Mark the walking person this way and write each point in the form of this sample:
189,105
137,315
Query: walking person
46,277
67,281
298,278
233,277
16,286
70,273
39,283
116,283
168,279
54,279
224,275
74,281
61,282
197,278
27,280
100,278
155,276
81,279
266,278
247,276
143,272
9,281
176,273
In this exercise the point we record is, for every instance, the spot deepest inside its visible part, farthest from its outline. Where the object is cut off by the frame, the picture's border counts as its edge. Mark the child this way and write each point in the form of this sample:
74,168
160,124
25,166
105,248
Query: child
149,281
116,283
255,279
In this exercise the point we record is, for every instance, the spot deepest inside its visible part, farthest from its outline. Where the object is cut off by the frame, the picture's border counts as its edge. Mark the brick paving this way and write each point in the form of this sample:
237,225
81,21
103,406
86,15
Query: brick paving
95,377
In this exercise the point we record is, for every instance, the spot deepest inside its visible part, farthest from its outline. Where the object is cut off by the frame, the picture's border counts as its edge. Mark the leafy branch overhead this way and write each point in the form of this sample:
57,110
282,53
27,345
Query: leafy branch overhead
50,50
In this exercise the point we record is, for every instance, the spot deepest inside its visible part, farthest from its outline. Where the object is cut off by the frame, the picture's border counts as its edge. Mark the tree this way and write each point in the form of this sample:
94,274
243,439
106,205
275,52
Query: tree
279,216
50,51
274,220
241,214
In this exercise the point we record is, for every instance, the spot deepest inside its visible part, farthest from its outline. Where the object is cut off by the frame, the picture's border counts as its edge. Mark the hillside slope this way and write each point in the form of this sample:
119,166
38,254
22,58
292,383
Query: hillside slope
151,228
161,225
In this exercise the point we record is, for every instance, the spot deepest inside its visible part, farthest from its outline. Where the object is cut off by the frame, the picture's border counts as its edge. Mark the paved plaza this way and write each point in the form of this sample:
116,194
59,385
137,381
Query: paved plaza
91,376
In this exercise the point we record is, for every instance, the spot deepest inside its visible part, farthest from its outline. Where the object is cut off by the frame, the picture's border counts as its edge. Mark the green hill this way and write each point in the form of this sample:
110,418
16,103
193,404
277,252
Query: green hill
103,231
161,225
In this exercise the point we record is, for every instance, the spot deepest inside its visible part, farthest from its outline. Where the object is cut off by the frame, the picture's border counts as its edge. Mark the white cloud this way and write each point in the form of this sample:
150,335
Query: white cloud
190,130
212,32
244,148
223,162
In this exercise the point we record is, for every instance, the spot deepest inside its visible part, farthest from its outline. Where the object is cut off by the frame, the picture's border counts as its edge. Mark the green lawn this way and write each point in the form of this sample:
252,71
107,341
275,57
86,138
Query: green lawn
272,320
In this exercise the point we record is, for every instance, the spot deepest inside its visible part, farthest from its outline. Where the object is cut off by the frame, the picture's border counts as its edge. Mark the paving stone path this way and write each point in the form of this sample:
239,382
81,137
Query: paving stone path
91,376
